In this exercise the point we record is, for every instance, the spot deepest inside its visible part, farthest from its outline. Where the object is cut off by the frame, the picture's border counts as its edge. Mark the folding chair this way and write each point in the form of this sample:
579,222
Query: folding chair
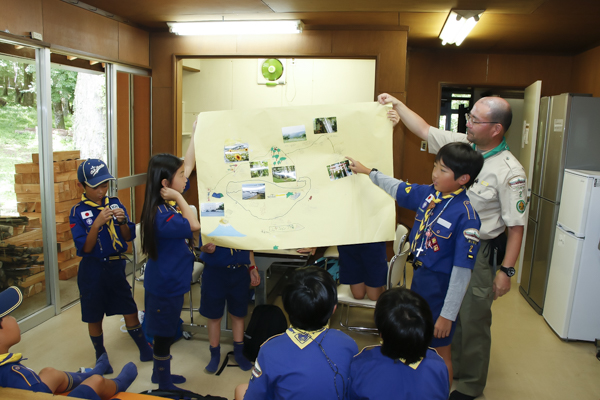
396,277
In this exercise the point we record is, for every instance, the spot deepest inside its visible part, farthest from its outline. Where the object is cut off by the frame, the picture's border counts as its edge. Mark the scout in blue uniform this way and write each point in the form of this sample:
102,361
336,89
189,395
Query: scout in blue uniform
15,375
445,236
403,367
364,267
167,228
309,360
227,275
101,230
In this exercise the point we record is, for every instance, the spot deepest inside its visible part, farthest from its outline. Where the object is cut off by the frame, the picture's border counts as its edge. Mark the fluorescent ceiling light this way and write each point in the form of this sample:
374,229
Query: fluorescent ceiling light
458,25
236,27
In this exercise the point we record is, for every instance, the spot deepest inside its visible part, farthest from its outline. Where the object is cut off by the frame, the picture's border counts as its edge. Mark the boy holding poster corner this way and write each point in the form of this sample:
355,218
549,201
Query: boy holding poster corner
445,236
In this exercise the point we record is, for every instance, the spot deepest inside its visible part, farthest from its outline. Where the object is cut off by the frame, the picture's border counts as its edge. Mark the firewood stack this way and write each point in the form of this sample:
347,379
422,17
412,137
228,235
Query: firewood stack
21,247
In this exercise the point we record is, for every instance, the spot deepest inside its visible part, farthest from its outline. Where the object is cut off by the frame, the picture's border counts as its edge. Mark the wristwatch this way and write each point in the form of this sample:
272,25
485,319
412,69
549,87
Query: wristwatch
123,222
373,170
510,271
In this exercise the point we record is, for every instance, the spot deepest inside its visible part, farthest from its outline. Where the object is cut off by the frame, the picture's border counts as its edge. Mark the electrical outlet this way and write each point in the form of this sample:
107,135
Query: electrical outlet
423,145
36,36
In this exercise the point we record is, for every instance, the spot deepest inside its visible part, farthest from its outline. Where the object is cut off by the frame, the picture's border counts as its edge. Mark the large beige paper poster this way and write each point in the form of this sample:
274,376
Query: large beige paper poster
278,178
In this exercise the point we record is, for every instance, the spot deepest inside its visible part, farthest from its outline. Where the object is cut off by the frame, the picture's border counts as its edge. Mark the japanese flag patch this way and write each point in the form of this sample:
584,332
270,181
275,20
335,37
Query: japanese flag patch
87,214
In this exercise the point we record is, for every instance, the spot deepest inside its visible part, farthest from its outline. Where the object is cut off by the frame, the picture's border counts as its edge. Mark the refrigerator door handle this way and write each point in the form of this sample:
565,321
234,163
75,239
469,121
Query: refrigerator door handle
570,232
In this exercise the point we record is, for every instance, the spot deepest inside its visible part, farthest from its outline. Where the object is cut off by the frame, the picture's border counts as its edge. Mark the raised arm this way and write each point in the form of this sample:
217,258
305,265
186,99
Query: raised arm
190,155
411,120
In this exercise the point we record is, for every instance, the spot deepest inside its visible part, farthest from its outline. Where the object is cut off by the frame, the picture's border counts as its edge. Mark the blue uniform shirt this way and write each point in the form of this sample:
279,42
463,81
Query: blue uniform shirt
15,375
293,370
82,217
454,239
171,273
375,376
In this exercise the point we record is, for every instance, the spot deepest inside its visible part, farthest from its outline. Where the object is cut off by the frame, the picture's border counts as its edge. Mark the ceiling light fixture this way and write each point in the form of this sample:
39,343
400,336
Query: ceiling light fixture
236,27
458,25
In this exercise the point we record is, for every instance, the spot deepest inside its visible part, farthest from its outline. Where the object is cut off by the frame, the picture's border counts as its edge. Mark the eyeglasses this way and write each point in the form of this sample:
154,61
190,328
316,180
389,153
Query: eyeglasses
470,119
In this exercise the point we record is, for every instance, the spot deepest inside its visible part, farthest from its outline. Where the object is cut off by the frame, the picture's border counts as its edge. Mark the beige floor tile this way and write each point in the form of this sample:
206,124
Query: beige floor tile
528,360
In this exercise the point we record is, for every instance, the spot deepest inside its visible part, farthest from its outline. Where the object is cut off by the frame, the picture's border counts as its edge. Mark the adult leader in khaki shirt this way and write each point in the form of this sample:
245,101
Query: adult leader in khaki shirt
499,199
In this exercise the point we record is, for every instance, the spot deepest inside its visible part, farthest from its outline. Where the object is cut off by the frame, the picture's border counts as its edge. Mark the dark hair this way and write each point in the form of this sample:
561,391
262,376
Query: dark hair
404,321
461,159
310,298
161,166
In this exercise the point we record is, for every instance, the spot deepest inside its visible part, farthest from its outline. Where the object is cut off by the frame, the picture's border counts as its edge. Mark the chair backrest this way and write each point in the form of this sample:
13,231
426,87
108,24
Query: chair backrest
137,245
401,237
397,268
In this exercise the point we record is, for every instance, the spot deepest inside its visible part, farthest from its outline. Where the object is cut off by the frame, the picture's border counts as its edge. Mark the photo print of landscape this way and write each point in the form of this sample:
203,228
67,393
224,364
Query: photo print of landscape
253,191
212,209
284,174
339,170
293,133
236,152
259,169
325,125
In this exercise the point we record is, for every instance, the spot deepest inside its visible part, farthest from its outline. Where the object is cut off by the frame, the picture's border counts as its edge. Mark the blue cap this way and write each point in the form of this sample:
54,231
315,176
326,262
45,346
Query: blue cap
93,172
10,299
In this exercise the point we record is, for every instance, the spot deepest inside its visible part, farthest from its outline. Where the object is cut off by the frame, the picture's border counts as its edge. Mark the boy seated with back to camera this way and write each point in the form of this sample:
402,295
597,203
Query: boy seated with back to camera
309,360
403,366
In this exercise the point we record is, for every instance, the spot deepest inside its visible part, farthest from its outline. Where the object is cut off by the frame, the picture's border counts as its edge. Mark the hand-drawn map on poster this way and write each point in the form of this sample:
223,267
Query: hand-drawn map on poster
278,178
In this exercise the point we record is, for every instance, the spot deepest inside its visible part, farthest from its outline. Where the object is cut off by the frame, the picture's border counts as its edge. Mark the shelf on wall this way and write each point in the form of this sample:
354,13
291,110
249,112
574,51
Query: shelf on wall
190,69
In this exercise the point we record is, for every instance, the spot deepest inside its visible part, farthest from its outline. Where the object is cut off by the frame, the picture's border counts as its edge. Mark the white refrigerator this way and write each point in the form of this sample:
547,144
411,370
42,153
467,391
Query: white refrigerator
573,292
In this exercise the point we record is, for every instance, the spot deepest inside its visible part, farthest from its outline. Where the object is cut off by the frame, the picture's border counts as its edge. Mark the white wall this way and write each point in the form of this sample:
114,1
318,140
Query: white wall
231,84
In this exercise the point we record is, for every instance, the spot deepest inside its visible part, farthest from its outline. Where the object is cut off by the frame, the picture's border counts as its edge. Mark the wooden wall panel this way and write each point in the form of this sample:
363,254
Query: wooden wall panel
162,120
586,73
141,123
123,154
76,28
308,43
522,70
134,45
123,124
21,17
141,136
389,46
164,45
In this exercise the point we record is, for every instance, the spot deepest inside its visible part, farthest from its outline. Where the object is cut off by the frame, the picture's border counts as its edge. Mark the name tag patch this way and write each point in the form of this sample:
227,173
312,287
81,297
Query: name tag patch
444,223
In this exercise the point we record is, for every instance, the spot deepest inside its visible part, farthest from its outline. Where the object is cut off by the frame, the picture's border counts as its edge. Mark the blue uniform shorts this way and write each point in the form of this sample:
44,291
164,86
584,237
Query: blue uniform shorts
162,314
363,263
104,289
220,284
433,286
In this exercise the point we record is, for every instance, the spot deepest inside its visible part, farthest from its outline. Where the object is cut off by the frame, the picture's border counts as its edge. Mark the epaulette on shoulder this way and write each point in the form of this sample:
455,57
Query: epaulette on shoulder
272,337
367,348
73,209
161,211
514,165
471,213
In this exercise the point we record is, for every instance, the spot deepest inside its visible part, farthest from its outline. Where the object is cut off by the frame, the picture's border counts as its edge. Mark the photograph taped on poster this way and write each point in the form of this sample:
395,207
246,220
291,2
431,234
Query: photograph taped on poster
299,203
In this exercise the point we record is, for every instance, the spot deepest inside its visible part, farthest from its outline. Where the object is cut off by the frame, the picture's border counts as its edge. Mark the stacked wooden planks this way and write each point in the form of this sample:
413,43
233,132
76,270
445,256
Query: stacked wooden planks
66,194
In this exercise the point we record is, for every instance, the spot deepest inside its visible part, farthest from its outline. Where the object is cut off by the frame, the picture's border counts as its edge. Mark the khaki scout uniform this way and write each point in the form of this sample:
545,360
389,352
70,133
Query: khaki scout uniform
499,197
